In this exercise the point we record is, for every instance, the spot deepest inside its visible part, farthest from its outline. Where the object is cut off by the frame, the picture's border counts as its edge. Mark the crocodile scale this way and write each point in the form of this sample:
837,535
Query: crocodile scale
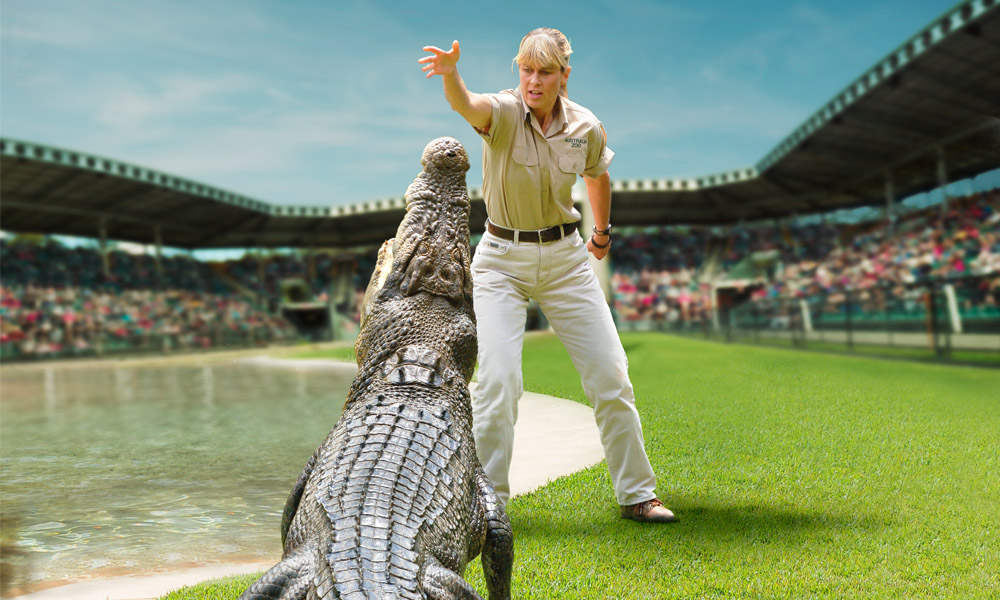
394,503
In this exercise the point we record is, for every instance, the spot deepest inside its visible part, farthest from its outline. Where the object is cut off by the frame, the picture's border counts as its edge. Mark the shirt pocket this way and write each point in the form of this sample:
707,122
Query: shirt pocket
523,156
572,163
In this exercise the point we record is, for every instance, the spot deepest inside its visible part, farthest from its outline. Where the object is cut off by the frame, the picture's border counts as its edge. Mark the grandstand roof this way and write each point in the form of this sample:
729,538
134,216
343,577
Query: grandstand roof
939,91
52,190
937,94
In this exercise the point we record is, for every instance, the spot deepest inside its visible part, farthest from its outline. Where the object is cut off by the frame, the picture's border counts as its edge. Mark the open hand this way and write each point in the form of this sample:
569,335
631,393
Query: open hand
440,62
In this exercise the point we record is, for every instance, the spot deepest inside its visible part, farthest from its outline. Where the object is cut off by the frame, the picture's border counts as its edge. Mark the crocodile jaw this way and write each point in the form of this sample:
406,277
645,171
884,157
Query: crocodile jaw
419,300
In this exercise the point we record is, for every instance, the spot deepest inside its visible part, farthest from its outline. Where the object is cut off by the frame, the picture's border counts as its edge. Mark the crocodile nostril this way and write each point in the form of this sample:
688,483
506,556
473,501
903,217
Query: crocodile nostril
451,154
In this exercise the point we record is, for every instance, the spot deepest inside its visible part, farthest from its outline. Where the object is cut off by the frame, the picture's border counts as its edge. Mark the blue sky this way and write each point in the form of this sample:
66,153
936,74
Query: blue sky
324,103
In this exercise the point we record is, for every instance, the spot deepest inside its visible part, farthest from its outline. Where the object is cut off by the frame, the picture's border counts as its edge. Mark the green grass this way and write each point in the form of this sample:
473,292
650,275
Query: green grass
345,353
794,474
226,588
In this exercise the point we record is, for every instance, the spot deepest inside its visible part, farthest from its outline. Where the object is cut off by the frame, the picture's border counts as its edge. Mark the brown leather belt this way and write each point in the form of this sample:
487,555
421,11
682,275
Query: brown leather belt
540,236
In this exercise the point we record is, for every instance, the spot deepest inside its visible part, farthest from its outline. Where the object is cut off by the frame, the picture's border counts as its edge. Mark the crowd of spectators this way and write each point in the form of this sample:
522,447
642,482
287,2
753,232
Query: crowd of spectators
264,274
57,301
878,264
73,321
672,297
32,262
667,275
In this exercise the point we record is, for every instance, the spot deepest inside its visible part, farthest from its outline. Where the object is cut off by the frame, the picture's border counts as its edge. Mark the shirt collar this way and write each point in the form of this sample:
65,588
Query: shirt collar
559,122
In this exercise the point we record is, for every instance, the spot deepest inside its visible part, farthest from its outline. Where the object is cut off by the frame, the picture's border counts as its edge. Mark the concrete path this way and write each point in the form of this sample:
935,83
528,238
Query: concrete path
553,437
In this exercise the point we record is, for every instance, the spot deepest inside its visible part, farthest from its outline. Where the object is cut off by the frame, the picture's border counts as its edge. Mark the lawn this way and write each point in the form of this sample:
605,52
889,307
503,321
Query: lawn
342,352
794,474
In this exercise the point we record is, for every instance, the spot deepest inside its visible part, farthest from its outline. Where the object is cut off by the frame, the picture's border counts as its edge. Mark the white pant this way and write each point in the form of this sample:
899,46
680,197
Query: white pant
559,277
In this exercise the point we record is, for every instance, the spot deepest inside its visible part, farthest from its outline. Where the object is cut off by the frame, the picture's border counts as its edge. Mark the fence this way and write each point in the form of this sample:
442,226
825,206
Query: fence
952,319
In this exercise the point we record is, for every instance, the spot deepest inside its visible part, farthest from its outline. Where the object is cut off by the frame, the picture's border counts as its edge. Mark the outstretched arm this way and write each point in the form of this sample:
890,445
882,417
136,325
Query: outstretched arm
475,108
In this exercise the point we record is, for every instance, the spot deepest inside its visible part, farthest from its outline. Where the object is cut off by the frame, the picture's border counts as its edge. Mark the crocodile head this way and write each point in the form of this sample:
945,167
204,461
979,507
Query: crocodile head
417,323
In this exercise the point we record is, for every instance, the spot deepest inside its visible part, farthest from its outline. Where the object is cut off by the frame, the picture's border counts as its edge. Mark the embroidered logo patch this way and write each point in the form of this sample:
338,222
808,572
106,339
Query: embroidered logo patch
576,142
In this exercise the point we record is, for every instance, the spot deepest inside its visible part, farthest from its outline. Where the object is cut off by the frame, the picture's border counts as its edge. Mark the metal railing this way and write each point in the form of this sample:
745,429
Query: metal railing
955,319
942,316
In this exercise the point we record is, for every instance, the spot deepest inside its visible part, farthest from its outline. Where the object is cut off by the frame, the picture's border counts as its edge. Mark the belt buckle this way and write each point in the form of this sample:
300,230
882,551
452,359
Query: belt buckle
546,242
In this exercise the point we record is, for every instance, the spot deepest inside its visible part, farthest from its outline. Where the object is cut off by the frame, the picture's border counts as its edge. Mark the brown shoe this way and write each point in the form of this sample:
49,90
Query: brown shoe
650,511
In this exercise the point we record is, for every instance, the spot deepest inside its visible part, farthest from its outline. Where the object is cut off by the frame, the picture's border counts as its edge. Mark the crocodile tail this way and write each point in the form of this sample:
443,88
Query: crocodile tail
292,504
290,579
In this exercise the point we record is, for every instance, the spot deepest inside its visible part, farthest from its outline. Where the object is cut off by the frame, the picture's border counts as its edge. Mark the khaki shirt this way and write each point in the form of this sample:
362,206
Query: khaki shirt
528,175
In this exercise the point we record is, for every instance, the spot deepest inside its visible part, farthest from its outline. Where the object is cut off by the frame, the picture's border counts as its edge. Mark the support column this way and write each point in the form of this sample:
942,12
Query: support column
103,244
311,264
890,200
158,242
942,179
341,296
352,269
260,268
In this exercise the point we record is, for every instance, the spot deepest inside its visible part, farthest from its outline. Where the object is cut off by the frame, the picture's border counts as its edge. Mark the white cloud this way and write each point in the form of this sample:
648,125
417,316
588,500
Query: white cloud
711,74
128,105
254,137
24,28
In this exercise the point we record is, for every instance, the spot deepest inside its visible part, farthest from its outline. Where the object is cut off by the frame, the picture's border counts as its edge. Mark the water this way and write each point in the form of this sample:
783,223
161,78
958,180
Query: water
132,468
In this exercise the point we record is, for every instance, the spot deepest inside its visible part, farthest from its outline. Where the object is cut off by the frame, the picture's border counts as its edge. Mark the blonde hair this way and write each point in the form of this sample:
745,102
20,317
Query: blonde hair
545,47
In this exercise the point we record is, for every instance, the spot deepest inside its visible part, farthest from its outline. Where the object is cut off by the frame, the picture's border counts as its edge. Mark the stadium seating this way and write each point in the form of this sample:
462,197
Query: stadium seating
659,274
56,301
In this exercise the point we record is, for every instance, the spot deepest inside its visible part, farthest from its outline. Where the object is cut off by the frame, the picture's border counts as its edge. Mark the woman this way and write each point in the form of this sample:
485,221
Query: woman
536,141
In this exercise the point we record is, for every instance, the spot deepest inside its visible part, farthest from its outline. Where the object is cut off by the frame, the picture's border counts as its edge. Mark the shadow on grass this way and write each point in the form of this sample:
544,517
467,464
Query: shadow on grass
719,524
755,518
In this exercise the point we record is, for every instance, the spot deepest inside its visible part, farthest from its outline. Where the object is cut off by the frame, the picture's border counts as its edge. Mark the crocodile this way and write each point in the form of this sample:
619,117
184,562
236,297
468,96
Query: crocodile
394,503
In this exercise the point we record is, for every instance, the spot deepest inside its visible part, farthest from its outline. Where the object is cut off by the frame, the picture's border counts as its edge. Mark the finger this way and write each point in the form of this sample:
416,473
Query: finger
454,46
433,49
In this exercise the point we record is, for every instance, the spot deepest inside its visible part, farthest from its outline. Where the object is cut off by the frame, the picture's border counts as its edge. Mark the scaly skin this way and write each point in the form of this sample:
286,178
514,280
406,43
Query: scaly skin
394,504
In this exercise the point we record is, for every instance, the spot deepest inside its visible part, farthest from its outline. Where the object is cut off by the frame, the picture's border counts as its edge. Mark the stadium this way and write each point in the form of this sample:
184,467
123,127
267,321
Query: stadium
828,243
921,118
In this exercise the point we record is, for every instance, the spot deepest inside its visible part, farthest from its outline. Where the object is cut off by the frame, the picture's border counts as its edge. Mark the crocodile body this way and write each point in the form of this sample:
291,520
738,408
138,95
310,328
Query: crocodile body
394,503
